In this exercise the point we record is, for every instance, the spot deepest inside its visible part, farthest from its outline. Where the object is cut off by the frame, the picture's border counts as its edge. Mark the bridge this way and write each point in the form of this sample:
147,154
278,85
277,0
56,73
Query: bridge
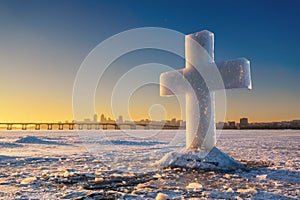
85,125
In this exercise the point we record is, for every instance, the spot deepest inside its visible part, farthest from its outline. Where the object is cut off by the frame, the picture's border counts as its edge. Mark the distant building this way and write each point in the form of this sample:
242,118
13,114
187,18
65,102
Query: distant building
244,122
180,122
102,118
173,121
295,124
231,124
220,125
120,119
95,117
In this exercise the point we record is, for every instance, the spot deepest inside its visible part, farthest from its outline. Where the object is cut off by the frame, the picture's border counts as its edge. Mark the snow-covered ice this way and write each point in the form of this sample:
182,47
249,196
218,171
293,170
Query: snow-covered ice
68,165
200,160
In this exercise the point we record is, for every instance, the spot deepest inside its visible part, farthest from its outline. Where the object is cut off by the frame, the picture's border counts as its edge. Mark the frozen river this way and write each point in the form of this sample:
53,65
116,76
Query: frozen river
116,164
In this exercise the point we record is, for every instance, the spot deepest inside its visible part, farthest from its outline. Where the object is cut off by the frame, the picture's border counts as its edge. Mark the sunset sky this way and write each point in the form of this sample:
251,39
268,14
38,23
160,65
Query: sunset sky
43,43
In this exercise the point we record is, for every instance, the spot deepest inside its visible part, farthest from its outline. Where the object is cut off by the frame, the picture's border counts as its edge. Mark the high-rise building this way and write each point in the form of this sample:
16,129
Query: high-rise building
231,124
102,118
173,121
95,117
244,122
120,119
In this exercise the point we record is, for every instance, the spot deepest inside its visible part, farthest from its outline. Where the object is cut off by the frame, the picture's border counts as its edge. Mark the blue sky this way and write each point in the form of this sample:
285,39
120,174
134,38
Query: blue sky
44,42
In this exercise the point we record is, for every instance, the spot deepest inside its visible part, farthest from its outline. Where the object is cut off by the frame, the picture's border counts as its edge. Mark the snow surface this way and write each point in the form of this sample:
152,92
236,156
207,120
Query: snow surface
95,164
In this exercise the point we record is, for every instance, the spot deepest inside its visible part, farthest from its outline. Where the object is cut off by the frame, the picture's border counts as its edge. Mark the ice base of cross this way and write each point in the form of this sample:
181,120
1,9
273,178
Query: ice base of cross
214,160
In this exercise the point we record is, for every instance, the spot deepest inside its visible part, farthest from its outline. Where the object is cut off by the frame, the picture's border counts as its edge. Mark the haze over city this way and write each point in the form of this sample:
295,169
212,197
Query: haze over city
43,45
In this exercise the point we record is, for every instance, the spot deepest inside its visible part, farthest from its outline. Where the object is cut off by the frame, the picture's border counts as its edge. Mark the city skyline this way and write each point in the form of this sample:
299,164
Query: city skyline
118,123
243,122
102,118
43,45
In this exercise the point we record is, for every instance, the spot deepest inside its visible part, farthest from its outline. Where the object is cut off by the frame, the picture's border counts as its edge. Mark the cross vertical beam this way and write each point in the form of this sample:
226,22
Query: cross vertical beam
202,136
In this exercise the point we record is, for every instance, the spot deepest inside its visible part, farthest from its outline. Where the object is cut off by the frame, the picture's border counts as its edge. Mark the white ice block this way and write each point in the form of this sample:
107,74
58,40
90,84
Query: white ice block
198,81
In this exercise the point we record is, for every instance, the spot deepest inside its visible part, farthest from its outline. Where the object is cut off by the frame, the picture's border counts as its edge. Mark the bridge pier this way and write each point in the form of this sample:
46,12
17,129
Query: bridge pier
117,127
60,127
49,127
37,126
71,126
9,126
24,126
89,126
104,126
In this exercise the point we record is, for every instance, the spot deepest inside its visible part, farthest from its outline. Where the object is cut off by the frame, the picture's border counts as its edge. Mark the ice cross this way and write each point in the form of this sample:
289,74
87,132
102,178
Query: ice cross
200,117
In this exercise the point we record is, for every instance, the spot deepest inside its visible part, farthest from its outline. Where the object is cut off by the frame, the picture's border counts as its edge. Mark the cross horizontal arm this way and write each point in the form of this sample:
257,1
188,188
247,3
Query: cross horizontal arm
235,73
173,82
